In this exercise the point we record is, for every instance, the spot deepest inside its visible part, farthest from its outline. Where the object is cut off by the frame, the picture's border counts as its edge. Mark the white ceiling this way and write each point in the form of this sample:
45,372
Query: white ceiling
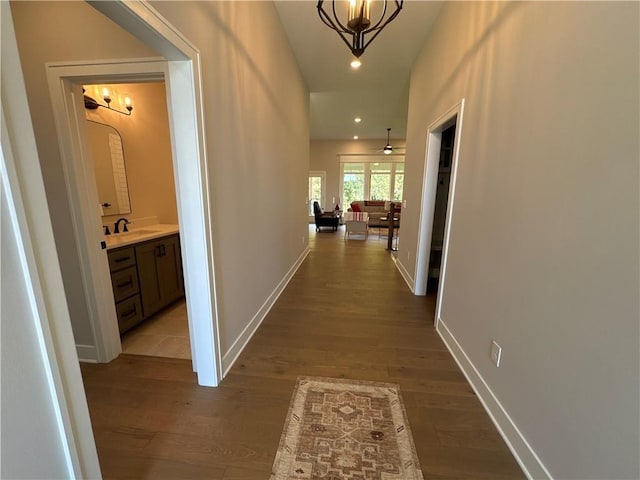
378,92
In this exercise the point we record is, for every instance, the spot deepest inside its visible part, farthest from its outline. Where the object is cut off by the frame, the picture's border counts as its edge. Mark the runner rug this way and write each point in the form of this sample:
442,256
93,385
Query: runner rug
346,430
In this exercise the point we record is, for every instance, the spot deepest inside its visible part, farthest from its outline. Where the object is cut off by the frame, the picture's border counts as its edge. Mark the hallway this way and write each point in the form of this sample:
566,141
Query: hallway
346,313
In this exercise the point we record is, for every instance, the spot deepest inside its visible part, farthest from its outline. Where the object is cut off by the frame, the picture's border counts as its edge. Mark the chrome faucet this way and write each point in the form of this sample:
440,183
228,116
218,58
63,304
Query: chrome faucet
116,226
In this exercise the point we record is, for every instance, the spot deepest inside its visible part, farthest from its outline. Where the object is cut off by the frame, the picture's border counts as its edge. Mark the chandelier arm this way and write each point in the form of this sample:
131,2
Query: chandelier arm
337,18
379,29
375,26
326,18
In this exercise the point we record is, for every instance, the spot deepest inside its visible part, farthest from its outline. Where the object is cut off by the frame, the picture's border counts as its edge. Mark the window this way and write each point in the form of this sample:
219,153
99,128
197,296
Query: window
379,181
398,182
316,190
352,183
370,179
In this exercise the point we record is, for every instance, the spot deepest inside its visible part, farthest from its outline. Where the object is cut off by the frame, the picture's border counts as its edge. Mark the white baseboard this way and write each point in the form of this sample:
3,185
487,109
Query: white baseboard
517,443
404,273
229,358
87,353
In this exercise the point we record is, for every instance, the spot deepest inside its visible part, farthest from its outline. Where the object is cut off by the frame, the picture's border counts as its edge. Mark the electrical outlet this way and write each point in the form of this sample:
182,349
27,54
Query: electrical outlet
496,353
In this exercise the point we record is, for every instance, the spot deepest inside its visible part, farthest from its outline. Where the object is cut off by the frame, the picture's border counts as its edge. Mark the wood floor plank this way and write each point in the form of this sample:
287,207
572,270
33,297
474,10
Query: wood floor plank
347,313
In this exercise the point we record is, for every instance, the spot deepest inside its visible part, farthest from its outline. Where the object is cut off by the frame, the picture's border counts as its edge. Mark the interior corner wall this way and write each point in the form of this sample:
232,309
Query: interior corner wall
325,157
146,143
543,253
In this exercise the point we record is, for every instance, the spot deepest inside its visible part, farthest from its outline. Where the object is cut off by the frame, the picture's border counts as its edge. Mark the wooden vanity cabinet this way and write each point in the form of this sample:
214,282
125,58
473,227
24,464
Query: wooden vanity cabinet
160,272
126,288
145,277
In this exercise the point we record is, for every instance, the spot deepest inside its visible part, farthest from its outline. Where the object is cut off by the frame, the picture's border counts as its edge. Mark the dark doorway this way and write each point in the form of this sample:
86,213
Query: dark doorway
440,209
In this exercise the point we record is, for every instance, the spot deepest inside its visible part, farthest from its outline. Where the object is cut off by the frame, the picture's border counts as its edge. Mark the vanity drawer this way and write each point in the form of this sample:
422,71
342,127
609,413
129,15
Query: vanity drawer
129,313
121,258
125,283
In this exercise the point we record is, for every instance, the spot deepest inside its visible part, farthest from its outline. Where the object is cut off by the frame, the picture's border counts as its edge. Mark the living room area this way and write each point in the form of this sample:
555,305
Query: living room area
356,186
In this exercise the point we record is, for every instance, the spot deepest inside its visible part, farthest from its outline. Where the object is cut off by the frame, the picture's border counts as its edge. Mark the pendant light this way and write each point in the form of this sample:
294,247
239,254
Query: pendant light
359,30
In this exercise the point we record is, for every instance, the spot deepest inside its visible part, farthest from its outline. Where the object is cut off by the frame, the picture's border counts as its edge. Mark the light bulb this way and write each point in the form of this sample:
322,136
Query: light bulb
105,94
127,102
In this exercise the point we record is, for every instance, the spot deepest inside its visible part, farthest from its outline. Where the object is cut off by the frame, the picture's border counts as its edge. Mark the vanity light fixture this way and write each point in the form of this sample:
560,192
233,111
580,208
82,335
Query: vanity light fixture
359,22
92,104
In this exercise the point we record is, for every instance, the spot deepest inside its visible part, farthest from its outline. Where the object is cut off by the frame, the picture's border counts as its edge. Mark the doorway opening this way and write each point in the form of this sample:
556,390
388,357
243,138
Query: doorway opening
438,194
189,163
133,170
317,192
440,208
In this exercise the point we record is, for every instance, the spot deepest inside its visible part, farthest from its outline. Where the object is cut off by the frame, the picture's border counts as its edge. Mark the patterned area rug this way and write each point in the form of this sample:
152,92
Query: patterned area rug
346,430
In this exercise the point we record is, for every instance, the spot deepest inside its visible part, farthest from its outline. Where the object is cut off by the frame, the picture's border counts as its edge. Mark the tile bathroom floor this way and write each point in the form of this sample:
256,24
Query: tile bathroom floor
166,334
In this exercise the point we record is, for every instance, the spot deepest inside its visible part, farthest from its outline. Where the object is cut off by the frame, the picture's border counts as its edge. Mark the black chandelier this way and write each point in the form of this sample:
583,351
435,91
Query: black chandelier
359,24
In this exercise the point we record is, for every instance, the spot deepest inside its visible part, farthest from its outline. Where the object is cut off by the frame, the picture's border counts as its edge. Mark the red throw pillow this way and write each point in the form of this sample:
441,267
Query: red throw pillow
355,207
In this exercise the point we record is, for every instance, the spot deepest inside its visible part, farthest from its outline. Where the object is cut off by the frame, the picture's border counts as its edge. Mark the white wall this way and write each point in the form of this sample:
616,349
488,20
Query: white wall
256,112
256,109
29,428
544,241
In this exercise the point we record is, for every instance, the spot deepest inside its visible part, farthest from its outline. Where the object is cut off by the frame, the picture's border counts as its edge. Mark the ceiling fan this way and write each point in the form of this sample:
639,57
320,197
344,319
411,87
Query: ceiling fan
388,148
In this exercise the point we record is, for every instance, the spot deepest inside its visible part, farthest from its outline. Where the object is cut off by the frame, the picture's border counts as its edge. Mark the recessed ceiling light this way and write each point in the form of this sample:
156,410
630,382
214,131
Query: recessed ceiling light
355,137
357,119
356,63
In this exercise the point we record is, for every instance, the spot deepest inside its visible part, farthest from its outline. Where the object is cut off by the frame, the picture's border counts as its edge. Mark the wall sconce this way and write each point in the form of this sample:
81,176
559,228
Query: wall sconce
92,104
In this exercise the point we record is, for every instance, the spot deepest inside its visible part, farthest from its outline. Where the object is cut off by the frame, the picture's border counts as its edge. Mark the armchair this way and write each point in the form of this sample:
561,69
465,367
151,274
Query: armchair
324,219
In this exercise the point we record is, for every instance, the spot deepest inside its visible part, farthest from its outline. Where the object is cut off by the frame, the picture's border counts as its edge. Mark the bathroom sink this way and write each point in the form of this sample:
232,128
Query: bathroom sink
137,233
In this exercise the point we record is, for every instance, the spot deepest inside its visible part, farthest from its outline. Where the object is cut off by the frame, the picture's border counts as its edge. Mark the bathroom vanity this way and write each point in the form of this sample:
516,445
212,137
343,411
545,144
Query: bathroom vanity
146,272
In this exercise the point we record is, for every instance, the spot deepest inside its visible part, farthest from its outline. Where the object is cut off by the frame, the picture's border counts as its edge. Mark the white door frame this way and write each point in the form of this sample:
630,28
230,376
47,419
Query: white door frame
323,175
427,207
183,80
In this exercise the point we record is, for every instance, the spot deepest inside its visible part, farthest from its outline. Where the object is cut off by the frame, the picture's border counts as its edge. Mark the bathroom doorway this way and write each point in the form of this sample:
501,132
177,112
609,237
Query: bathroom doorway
65,85
130,145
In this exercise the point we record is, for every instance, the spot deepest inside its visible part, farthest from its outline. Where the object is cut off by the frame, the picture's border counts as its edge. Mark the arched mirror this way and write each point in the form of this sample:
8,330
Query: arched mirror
108,162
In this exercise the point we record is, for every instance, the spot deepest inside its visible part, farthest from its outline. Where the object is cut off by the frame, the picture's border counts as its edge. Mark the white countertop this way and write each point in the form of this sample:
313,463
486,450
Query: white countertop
142,234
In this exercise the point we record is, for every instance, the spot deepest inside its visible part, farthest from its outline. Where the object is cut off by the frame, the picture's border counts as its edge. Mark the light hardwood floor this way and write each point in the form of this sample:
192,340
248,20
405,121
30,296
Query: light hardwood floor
346,313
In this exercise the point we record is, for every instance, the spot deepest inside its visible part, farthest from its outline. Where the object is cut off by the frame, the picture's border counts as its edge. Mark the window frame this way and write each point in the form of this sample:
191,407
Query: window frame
323,190
368,161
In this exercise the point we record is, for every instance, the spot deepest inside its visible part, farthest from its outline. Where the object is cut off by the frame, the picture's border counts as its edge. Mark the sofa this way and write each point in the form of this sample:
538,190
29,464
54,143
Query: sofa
377,209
